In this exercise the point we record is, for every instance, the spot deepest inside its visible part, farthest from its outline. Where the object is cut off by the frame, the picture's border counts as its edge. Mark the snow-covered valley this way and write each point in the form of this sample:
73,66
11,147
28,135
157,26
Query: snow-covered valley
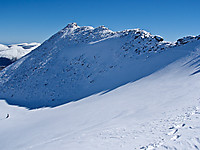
109,91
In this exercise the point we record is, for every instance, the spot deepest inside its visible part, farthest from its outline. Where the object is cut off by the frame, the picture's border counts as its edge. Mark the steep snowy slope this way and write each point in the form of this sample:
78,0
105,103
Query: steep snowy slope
10,53
160,111
80,61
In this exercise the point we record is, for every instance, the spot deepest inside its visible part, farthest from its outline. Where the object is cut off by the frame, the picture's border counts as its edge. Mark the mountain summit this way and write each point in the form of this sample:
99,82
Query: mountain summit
79,61
72,25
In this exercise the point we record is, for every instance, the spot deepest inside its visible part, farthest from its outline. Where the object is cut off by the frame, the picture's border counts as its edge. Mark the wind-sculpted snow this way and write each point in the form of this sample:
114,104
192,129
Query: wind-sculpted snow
78,61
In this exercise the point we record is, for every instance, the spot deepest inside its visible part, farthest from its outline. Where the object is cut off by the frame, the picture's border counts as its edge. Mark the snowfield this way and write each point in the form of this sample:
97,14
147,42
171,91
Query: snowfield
133,99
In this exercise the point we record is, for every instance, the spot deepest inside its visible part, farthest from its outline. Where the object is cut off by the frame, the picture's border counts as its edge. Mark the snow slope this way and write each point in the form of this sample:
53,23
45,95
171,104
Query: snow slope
159,111
79,61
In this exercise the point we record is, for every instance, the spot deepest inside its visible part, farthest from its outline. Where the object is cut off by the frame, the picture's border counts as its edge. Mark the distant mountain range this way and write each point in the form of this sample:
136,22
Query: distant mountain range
11,53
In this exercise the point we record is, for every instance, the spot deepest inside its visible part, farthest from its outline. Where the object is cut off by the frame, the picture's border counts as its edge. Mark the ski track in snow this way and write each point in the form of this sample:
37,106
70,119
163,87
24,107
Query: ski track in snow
166,132
179,128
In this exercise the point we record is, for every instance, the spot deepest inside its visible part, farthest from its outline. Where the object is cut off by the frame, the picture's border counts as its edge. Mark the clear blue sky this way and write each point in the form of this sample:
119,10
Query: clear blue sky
37,20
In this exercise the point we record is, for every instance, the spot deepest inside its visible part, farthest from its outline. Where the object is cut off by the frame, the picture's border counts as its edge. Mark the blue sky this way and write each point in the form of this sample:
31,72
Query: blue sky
37,20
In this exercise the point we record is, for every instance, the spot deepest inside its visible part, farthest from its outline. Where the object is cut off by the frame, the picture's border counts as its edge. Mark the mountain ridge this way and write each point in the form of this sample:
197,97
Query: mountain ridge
78,62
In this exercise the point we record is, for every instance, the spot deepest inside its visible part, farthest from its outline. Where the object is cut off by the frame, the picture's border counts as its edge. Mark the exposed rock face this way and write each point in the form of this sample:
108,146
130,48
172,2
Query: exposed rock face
187,39
5,62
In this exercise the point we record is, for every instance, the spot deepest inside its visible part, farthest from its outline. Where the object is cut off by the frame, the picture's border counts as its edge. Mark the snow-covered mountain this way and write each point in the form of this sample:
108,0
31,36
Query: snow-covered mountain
140,93
10,53
80,61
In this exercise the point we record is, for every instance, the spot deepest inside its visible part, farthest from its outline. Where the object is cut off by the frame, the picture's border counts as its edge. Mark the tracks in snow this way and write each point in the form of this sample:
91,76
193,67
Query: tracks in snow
182,132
